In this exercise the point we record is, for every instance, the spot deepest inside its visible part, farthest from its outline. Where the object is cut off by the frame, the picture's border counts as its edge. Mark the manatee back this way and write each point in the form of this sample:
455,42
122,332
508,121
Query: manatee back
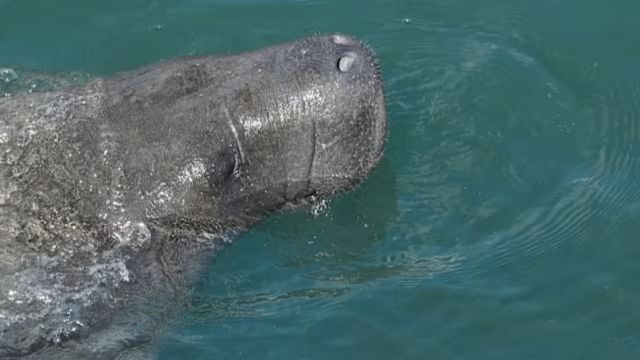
58,279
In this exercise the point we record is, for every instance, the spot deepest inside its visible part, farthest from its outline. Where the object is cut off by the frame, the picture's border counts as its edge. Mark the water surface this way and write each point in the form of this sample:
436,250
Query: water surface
503,222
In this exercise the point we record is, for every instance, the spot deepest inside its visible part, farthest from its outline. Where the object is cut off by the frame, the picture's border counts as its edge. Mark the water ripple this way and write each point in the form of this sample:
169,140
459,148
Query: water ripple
529,167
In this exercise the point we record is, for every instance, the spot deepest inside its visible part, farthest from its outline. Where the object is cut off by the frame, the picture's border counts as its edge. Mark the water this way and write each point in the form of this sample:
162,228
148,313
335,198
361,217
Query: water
503,221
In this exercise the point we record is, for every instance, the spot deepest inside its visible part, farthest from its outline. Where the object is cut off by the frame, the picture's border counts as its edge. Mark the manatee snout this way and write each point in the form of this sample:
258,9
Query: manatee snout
318,108
350,142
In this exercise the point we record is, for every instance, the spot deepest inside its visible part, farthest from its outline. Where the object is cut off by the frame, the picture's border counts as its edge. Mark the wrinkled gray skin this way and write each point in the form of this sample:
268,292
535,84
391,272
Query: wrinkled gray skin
113,195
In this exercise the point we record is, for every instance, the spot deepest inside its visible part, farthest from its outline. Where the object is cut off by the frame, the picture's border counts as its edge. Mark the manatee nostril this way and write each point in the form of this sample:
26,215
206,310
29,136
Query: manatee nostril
346,61
341,40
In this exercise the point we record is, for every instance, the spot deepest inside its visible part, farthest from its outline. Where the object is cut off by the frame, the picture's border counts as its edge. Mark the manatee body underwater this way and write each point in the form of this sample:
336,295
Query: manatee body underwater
116,193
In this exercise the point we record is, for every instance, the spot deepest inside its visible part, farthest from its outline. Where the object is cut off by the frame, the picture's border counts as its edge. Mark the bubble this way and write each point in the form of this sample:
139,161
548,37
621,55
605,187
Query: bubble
319,206
7,75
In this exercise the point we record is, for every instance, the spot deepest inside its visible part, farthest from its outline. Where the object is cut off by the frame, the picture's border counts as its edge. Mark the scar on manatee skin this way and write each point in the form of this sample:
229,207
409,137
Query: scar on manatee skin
237,139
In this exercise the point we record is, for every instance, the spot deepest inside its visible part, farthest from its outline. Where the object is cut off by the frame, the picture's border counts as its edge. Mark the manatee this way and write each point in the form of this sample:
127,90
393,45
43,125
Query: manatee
114,194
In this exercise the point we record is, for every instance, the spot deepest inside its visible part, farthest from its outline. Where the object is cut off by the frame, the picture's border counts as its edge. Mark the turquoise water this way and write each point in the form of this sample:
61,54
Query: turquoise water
503,222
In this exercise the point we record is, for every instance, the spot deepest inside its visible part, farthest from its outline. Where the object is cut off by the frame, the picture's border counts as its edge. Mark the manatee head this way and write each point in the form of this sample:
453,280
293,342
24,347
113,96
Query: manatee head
309,122
115,193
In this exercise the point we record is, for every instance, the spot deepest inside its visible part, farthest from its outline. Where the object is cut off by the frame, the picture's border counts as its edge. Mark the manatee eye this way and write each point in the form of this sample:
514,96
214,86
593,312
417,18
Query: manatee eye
346,61
221,169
